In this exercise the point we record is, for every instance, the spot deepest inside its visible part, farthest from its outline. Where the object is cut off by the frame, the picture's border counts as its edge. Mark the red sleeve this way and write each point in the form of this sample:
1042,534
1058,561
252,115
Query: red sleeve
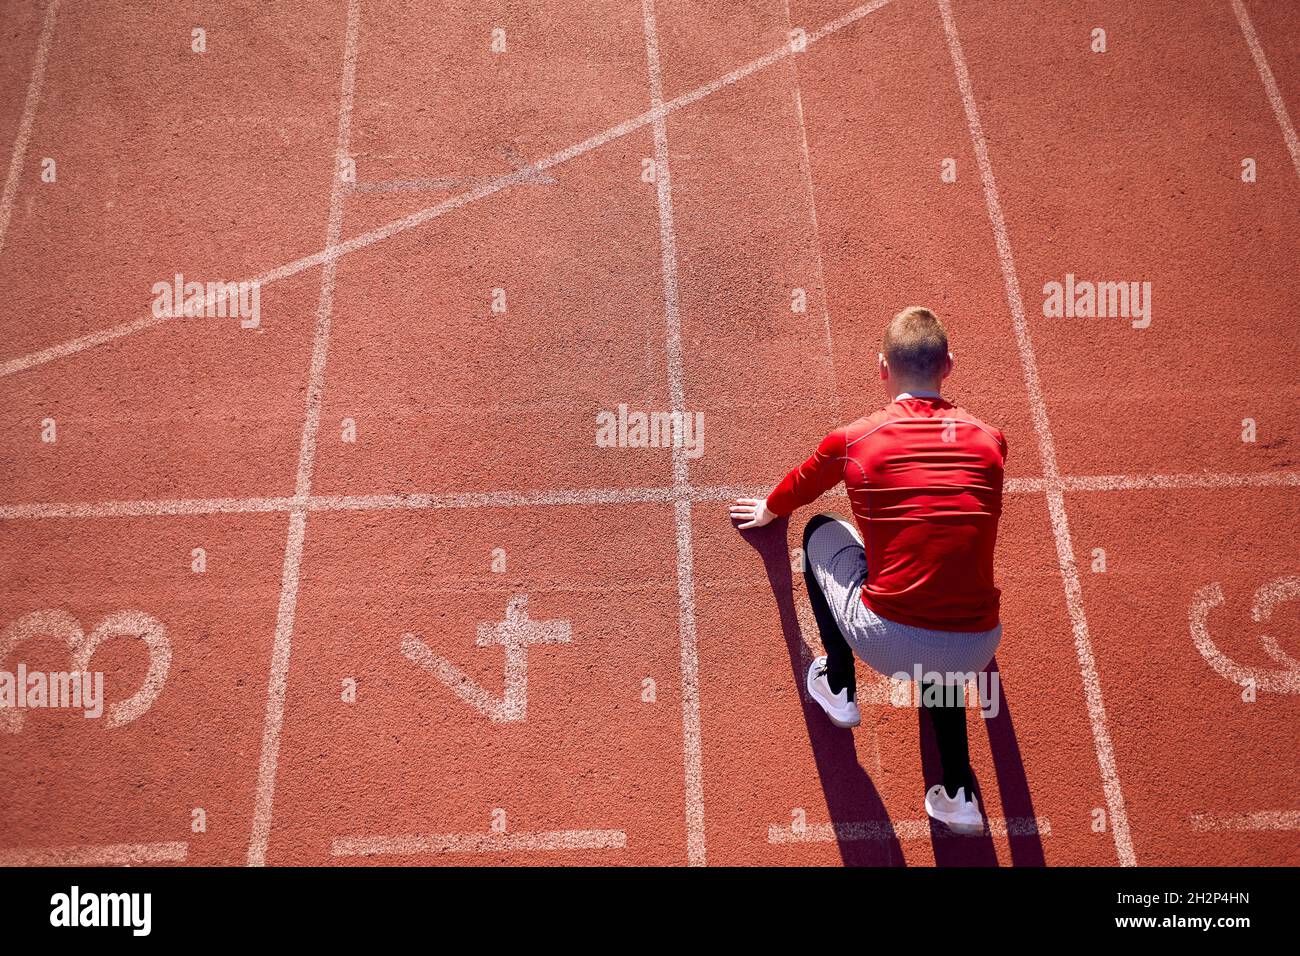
819,474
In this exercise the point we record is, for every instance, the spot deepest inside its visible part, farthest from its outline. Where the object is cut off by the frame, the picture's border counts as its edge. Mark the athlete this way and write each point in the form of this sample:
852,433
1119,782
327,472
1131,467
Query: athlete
909,590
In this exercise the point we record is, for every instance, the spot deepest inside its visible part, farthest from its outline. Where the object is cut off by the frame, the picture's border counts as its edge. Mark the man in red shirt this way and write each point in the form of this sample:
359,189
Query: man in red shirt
913,593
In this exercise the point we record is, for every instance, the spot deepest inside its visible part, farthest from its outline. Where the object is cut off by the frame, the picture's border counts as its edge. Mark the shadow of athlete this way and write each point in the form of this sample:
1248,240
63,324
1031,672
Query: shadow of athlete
910,588
851,797
1023,837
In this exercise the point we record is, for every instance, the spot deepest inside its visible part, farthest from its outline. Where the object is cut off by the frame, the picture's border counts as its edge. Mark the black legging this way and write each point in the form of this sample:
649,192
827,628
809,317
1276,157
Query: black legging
948,720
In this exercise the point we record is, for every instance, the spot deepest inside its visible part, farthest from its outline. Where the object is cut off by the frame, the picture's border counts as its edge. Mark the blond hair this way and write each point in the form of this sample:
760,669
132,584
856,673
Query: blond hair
916,345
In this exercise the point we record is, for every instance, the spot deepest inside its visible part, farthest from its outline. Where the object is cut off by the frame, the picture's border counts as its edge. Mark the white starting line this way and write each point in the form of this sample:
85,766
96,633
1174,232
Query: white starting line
145,508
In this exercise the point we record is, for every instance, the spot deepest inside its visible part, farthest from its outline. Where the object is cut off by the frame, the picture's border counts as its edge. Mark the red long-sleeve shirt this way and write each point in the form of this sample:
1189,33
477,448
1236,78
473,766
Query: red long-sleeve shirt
924,479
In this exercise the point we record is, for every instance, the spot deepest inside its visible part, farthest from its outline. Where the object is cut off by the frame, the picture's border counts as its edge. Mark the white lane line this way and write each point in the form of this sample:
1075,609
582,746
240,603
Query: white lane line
805,166
335,251
279,673
667,238
115,854
867,830
579,497
277,679
688,639
1270,84
19,156
1047,452
1259,820
415,843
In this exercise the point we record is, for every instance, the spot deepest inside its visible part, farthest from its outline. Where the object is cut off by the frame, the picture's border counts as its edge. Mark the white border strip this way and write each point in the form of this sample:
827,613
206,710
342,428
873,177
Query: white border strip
413,844
115,854
1047,452
34,86
1270,85
277,682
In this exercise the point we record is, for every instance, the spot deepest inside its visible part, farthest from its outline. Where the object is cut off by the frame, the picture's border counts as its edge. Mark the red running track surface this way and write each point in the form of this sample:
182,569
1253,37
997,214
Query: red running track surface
435,621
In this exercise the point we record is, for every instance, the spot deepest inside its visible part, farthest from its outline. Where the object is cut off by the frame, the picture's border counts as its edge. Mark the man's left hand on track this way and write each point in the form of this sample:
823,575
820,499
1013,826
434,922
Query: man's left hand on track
751,513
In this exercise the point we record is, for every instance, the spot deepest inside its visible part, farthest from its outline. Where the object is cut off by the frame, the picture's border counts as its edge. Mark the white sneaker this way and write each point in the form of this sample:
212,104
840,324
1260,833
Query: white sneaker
842,711
960,814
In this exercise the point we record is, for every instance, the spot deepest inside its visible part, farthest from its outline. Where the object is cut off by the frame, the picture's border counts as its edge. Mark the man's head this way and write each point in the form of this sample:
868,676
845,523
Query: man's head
915,352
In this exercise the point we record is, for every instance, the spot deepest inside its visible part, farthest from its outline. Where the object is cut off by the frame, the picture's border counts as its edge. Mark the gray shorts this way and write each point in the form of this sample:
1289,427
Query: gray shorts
839,563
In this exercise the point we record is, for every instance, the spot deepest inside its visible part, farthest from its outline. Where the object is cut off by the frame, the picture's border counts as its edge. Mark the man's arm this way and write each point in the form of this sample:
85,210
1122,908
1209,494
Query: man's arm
805,483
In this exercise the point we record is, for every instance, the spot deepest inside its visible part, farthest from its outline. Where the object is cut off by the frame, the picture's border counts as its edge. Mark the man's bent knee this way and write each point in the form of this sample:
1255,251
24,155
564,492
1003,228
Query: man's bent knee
815,522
